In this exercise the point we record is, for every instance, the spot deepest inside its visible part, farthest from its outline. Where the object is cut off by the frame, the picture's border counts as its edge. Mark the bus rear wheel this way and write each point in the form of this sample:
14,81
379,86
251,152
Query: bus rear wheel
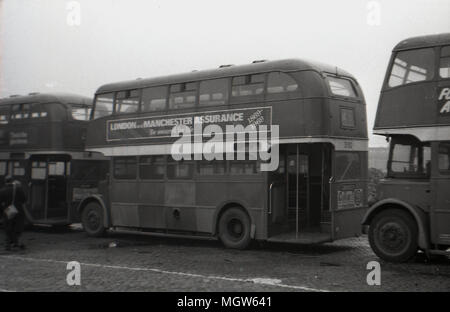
92,219
234,228
393,235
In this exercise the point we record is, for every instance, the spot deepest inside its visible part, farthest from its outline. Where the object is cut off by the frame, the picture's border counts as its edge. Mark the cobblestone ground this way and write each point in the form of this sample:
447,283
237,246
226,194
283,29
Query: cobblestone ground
124,262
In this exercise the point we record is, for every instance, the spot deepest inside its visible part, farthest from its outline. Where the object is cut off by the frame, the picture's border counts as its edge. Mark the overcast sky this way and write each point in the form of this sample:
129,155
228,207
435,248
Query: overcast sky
46,46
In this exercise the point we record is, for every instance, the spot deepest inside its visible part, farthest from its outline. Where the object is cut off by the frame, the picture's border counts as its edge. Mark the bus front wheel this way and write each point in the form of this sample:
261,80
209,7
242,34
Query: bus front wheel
234,228
92,219
393,235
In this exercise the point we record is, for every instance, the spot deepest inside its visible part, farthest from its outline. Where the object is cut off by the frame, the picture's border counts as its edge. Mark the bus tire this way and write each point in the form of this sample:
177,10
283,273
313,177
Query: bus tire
92,219
234,228
393,235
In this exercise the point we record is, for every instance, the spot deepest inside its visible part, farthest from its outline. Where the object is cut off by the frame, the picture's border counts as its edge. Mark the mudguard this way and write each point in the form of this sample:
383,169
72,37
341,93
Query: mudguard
98,198
418,214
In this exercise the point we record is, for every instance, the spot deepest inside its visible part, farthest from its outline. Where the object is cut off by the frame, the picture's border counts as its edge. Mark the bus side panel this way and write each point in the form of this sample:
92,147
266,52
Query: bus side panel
348,195
124,209
212,195
304,117
209,194
348,128
440,212
180,206
151,204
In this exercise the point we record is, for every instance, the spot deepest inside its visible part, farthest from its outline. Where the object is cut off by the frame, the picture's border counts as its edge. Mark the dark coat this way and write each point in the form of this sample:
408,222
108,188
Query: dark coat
6,195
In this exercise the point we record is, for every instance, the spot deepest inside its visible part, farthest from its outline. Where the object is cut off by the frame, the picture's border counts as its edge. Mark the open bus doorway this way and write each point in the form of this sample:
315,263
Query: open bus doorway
299,194
48,188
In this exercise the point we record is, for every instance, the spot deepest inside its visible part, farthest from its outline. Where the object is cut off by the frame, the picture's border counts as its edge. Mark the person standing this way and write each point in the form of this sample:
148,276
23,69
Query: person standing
13,194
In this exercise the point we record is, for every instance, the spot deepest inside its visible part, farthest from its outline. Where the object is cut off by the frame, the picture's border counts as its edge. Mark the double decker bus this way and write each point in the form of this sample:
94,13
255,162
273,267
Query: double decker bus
42,146
316,194
412,208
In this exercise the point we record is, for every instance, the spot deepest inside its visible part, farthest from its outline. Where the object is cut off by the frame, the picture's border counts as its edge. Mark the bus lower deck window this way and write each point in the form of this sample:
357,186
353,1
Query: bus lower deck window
38,170
152,167
410,158
3,168
444,66
444,158
125,168
212,167
180,169
348,166
18,169
243,167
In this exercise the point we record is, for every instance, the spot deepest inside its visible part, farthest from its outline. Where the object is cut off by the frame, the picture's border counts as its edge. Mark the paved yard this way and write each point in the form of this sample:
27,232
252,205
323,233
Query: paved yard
124,262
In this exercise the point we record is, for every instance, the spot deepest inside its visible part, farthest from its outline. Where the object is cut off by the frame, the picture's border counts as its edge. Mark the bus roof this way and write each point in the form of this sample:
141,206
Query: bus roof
423,41
64,98
285,65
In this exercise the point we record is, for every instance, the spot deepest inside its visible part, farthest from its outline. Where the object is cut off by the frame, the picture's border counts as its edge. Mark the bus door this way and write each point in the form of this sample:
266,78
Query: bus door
38,189
58,173
297,188
48,188
277,210
288,194
348,201
299,194
440,209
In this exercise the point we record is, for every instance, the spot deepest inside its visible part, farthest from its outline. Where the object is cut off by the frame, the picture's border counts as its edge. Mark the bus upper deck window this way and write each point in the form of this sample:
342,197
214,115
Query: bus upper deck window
104,104
213,92
341,87
444,67
154,99
249,85
183,95
81,112
280,82
412,66
127,101
4,116
16,114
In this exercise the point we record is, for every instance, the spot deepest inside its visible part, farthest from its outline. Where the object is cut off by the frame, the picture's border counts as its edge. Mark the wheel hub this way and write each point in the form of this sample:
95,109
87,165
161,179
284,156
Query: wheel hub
393,236
93,219
235,228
